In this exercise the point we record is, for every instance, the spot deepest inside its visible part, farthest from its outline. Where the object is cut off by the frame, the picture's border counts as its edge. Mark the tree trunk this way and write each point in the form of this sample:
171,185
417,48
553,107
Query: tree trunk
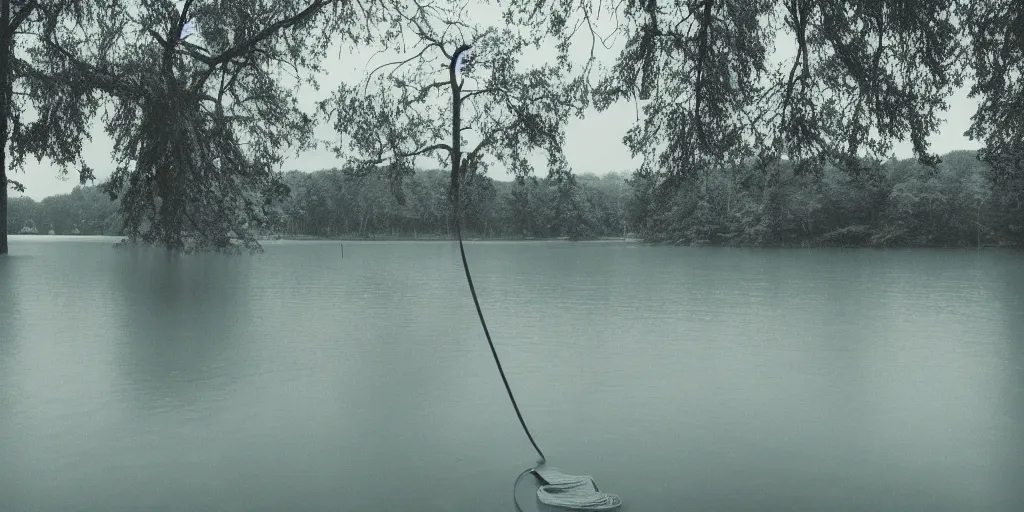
3,204
5,110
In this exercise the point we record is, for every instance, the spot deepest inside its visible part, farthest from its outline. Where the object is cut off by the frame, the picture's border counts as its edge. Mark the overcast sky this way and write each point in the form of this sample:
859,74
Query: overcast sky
594,144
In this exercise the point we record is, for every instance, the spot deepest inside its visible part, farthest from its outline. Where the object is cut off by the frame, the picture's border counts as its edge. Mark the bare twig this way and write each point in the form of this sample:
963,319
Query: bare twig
418,152
398,64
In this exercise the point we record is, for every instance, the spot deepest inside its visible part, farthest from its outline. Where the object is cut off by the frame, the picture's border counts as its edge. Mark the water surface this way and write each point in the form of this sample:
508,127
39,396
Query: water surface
680,378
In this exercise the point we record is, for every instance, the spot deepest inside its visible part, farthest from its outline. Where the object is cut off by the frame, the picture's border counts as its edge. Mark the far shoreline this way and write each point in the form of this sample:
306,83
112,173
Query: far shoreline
628,239
443,239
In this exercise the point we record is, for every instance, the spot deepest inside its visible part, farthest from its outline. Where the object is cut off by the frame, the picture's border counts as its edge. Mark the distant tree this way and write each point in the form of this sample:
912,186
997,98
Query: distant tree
404,109
20,209
892,203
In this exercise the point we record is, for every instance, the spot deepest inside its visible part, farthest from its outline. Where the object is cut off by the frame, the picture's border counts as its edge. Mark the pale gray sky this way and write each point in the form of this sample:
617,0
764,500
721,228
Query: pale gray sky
593,144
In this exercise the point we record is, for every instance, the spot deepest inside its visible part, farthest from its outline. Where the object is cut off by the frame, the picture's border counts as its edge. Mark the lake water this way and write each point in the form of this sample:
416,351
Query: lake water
680,378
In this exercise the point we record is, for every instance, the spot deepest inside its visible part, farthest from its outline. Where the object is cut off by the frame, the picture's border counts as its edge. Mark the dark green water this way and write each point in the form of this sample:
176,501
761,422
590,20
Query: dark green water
682,379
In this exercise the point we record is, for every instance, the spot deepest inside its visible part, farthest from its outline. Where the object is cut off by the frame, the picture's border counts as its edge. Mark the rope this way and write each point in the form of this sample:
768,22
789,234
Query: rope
487,333
559,489
515,485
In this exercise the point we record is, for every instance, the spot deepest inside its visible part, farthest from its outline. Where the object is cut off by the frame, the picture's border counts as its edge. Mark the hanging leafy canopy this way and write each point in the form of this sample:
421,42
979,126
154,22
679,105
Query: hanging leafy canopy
864,74
996,31
200,125
61,108
861,75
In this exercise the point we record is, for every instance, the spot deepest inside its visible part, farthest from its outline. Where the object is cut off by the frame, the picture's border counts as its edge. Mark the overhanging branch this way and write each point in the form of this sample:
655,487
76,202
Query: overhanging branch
489,140
21,16
92,77
240,49
399,156
399,63
470,94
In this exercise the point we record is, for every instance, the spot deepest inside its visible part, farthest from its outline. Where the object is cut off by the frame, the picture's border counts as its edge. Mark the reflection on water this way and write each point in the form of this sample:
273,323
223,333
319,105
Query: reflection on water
720,379
181,321
1010,389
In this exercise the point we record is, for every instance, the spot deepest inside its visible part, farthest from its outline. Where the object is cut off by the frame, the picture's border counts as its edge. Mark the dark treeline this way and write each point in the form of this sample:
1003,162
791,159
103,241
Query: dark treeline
895,203
86,210
332,203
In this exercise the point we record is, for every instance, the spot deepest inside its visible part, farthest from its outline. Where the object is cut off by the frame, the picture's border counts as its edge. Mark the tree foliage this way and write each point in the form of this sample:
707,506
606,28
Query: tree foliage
61,108
897,203
404,109
996,32
85,211
200,125
864,74
736,147
892,203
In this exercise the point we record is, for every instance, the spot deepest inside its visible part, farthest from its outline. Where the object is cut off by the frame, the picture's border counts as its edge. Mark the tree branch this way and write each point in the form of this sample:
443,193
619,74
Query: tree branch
427,149
172,41
240,49
418,152
98,79
702,58
425,89
491,137
422,34
470,94
398,64
22,15
15,185
158,37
